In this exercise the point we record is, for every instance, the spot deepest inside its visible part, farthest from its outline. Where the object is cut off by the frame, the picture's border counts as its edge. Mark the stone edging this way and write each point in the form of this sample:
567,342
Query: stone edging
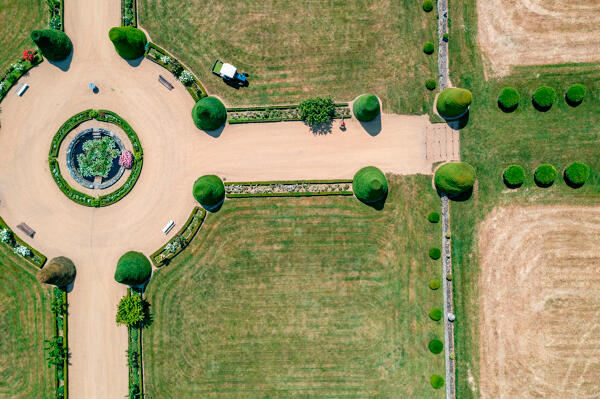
448,300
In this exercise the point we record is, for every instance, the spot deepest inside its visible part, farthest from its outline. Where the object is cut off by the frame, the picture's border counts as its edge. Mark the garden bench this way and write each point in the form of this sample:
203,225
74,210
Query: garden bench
26,229
168,227
21,89
165,82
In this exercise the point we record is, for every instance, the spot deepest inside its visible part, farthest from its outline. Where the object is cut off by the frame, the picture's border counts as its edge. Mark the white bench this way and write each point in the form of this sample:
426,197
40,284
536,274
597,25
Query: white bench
21,89
168,227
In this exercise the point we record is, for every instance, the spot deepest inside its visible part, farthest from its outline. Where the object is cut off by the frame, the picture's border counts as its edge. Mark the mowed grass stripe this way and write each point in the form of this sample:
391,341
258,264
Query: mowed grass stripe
17,20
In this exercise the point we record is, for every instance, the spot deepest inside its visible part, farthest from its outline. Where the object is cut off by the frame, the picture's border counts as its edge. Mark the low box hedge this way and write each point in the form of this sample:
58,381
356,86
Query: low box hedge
129,13
269,183
37,259
279,113
292,194
288,194
12,75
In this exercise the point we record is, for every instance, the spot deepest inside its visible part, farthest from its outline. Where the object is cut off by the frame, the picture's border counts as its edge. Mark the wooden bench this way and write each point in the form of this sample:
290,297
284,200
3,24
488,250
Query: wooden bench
26,229
165,82
168,227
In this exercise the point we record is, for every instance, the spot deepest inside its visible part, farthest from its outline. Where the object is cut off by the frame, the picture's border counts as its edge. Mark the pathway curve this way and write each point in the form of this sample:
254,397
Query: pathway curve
175,154
448,300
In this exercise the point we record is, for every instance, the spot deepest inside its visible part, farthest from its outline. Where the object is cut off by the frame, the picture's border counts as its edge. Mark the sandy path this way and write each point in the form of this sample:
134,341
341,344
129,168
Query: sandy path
175,154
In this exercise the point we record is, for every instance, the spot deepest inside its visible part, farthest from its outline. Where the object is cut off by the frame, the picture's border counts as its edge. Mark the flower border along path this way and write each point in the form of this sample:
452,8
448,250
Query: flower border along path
65,129
34,257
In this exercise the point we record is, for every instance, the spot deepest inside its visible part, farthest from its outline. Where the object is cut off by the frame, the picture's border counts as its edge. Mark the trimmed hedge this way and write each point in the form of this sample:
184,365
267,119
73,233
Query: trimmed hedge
54,44
129,42
508,100
576,174
433,217
14,73
435,253
575,94
59,271
209,190
544,175
430,84
437,381
436,314
427,5
366,107
514,176
428,48
370,185
209,114
543,98
455,178
36,258
129,13
434,284
133,268
453,102
436,346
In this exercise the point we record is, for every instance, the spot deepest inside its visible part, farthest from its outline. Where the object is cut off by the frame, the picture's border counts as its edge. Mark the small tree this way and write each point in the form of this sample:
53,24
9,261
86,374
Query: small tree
130,311
317,110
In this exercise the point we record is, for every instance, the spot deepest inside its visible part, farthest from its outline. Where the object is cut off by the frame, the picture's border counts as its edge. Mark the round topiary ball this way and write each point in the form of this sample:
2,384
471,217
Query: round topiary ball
58,271
370,185
543,98
434,284
209,190
576,174
431,84
575,94
508,100
514,176
366,107
54,44
428,48
133,268
435,314
209,114
544,175
453,102
455,178
436,346
129,42
427,5
437,381
435,253
433,217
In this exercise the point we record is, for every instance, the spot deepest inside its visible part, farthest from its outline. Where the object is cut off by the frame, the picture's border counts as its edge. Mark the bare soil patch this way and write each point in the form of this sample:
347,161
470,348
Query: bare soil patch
535,32
539,303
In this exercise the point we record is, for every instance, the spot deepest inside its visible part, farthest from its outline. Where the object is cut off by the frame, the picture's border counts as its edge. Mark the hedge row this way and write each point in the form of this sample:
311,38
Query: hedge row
289,194
134,361
14,73
278,113
269,183
61,334
543,98
575,175
184,236
129,13
292,194
36,258
56,14
196,90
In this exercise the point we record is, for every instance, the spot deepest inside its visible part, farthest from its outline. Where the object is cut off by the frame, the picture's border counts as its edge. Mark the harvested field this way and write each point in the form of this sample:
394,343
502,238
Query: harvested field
539,303
534,32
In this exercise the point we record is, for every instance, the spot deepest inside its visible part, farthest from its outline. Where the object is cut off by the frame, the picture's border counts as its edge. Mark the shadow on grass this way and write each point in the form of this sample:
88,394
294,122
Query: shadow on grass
148,317
573,103
377,205
464,196
509,185
372,127
542,184
507,110
460,123
540,107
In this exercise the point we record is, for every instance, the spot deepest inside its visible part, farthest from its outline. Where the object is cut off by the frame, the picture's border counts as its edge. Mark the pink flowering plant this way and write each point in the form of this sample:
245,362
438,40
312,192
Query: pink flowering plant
126,159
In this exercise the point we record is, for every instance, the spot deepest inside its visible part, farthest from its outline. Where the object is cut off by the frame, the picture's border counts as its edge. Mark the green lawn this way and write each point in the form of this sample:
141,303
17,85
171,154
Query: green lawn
17,20
492,140
294,49
25,323
313,297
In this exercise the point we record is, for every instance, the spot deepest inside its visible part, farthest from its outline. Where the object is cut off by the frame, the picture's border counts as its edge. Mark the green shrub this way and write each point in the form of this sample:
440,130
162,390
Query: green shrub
54,44
427,5
435,253
130,311
508,100
453,102
545,174
514,176
437,381
576,174
209,113
431,84
436,314
209,190
428,48
370,185
445,37
434,284
543,98
317,110
449,276
436,346
366,107
59,271
575,94
133,268
455,178
433,217
129,42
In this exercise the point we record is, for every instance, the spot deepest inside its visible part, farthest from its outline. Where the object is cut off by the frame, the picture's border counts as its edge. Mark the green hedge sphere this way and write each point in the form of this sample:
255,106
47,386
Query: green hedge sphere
54,44
430,84
455,178
427,5
428,48
133,268
544,175
543,98
514,176
435,314
576,174
453,102
508,100
209,114
575,94
436,346
370,185
129,42
433,217
366,107
435,253
434,284
209,190
437,381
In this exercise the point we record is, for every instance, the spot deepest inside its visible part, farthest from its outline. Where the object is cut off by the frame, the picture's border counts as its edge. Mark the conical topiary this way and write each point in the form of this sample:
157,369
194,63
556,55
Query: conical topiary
133,268
453,102
209,190
370,185
129,42
59,271
54,44
366,107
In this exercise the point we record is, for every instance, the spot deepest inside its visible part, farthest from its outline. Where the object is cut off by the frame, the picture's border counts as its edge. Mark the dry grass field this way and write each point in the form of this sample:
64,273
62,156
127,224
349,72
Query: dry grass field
534,32
539,303
17,20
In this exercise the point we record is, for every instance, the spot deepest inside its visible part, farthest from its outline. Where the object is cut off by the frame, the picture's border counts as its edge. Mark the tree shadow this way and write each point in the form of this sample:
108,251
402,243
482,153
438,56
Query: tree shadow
320,128
542,184
573,103
65,64
460,123
539,107
572,184
511,186
215,133
507,110
372,127
135,62
148,317
379,204
462,197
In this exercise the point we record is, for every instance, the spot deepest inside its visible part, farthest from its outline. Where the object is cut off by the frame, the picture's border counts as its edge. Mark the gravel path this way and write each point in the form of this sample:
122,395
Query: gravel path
443,80
448,302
